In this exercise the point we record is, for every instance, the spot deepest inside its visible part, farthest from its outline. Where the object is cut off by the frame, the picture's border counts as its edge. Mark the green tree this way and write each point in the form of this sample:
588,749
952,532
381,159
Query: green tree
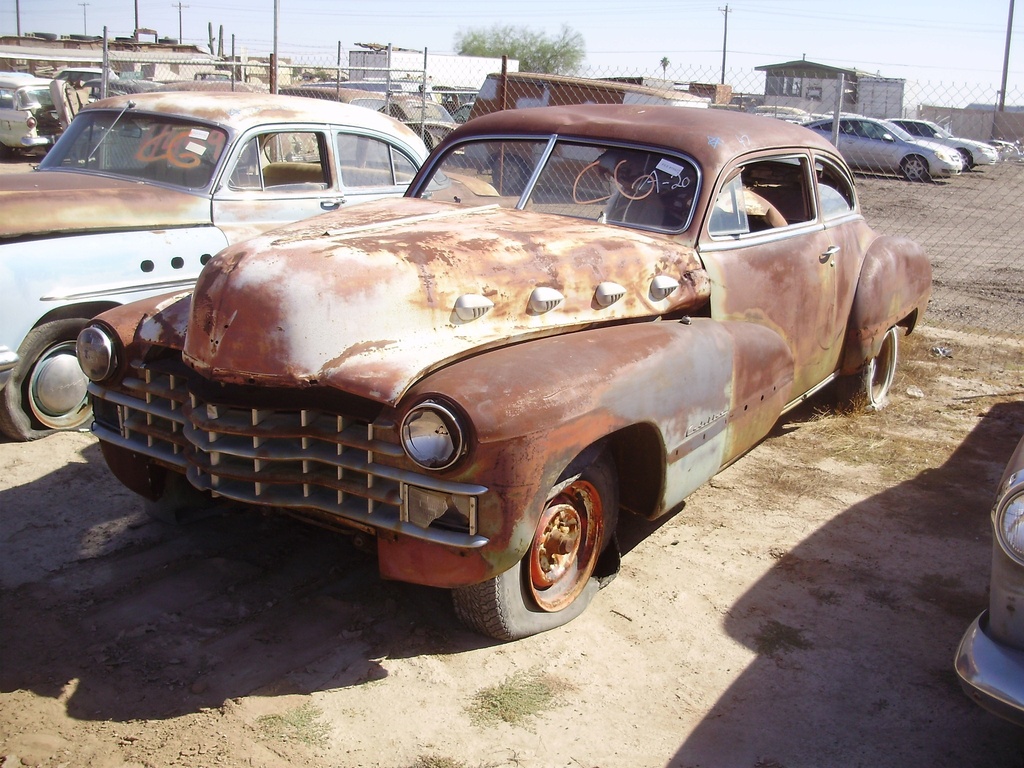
536,52
664,66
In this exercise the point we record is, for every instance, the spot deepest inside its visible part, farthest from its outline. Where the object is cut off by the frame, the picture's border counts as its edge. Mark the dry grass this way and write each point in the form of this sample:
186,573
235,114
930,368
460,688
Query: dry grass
516,699
302,724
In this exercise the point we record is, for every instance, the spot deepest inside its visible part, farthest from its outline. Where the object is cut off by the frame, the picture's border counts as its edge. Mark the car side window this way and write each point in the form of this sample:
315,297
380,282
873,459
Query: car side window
282,161
293,160
834,189
367,162
6,99
766,194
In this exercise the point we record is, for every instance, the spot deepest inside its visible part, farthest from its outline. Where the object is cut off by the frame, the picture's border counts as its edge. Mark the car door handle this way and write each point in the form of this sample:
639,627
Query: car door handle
831,251
332,205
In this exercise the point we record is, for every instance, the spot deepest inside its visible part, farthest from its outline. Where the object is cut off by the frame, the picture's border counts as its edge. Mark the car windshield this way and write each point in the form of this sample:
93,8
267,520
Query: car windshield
634,186
148,147
939,131
898,132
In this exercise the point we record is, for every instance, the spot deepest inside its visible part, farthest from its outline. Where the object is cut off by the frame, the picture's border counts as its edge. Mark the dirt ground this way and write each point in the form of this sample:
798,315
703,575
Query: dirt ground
803,609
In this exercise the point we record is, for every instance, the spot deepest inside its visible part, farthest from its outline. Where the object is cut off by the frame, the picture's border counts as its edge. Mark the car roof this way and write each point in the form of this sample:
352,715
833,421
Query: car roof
711,136
19,80
240,111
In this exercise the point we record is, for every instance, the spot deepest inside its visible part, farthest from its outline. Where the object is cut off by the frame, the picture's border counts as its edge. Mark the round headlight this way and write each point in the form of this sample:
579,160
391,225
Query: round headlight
432,435
1010,525
96,353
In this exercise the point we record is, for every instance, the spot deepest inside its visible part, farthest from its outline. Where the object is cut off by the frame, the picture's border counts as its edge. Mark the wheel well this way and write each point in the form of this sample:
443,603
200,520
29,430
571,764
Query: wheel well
640,461
909,322
86,310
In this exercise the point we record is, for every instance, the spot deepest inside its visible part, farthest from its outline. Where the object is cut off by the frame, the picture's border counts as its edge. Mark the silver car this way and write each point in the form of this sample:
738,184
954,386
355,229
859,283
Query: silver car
990,661
874,145
972,152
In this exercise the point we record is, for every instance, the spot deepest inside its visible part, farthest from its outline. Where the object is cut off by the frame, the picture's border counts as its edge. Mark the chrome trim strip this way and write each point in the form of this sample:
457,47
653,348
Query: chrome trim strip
166,285
812,391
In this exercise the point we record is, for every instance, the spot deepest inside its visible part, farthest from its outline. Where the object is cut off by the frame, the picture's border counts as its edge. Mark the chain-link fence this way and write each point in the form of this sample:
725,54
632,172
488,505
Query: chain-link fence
970,223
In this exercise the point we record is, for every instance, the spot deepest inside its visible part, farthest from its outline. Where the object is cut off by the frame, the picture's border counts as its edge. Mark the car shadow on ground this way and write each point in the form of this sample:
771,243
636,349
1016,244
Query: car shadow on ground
120,618
886,579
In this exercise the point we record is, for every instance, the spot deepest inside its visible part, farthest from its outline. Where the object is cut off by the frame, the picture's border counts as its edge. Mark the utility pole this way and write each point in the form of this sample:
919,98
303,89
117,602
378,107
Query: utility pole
1006,61
725,38
179,6
85,20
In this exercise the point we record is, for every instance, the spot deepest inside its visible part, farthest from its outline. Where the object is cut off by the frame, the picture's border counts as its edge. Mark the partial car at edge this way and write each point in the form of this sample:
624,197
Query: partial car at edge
990,659
28,117
141,191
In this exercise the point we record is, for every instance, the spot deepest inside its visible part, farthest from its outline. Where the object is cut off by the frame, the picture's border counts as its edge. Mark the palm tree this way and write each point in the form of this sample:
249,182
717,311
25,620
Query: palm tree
664,65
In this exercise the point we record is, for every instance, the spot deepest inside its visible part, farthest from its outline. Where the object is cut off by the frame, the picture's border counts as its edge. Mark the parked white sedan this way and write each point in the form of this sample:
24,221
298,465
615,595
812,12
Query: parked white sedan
140,192
879,146
973,152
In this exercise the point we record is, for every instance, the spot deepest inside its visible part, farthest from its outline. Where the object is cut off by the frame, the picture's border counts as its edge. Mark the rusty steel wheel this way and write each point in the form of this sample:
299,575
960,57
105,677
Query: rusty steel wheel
554,582
566,546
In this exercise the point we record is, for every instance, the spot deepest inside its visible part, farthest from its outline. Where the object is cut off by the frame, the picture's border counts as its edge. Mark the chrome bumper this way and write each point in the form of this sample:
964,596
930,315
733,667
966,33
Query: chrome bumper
8,361
990,673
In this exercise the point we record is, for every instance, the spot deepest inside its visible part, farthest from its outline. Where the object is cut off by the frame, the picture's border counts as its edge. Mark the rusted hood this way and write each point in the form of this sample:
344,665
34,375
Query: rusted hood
365,300
58,202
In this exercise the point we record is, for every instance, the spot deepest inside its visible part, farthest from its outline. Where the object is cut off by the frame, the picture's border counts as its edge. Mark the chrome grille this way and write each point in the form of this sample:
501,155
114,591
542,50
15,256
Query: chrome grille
295,459
301,458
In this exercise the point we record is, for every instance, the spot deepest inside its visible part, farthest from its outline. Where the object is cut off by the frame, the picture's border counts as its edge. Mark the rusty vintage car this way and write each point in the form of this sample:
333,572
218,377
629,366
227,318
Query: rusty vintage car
990,659
574,311
140,192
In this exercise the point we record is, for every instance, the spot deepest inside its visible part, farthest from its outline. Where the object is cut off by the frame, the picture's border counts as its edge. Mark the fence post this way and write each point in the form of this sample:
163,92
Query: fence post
839,110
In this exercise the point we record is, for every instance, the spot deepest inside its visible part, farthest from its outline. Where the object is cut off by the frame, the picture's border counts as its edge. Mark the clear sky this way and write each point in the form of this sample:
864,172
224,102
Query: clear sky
947,41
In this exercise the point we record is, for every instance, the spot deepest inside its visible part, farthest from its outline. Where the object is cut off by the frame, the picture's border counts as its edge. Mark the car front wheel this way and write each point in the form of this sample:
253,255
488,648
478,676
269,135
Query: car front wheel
554,582
47,389
915,168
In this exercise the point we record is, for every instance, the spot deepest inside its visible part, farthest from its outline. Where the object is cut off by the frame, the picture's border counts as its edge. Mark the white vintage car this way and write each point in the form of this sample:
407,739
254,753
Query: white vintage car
140,192
28,118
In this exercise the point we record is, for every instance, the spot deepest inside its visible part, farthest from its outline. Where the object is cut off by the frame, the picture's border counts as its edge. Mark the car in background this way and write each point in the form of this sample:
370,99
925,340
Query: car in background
121,87
475,378
462,112
28,118
972,152
430,121
990,659
878,146
141,191
522,90
79,75
426,117
1009,150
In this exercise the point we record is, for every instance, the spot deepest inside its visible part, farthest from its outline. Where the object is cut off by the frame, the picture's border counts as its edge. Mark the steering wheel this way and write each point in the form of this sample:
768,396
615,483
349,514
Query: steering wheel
641,187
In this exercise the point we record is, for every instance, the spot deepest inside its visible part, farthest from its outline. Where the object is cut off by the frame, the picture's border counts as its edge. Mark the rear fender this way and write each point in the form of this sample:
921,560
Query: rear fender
894,286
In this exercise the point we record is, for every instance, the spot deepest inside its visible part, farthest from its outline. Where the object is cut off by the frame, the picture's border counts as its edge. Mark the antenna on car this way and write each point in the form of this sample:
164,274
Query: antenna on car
129,105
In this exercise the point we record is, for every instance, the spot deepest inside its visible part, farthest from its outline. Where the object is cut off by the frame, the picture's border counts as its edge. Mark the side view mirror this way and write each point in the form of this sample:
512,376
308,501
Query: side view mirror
888,137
